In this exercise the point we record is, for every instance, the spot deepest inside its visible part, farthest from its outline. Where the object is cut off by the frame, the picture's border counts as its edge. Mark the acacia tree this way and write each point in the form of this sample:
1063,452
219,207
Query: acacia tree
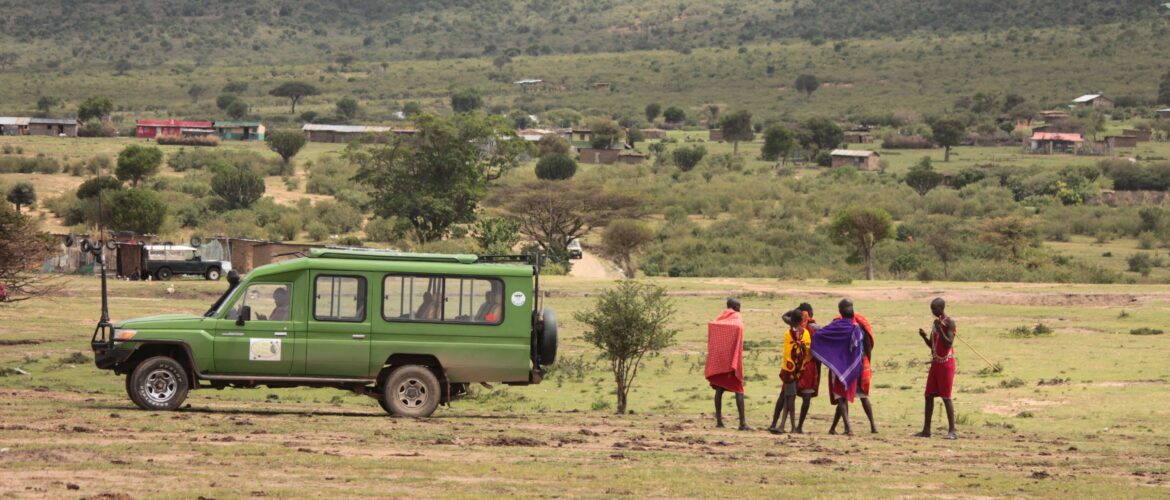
45,103
922,177
347,107
94,108
294,92
1010,233
622,239
948,133
628,322
496,235
436,177
22,194
196,91
552,213
945,235
737,127
807,84
779,143
862,228
136,210
136,163
286,143
22,251
818,134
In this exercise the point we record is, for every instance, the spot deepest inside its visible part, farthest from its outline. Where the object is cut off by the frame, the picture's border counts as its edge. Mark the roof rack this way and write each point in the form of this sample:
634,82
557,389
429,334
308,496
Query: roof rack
530,259
351,253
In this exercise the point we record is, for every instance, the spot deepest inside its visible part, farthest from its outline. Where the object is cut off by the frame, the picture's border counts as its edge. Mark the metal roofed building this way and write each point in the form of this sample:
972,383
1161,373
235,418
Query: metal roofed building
1095,101
315,132
860,158
14,125
240,130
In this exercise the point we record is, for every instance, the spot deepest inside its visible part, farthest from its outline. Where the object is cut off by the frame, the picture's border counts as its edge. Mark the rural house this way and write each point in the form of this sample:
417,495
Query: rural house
66,127
1164,113
653,133
604,156
863,160
12,125
240,130
348,133
632,157
149,129
1142,135
715,135
858,137
1053,142
1095,101
1121,141
1053,116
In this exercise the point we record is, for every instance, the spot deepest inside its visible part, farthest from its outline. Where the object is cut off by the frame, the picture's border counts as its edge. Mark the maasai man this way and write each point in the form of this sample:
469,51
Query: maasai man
864,382
795,355
942,366
840,346
725,360
809,383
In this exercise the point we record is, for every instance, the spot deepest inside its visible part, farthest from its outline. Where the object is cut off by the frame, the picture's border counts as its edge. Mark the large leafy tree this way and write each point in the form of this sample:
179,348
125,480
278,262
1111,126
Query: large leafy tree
136,210
466,100
603,133
239,186
818,134
347,107
95,108
496,235
286,143
737,127
628,322
1010,233
948,133
807,84
862,228
779,142
674,114
23,194
136,163
436,177
652,111
688,157
552,213
294,92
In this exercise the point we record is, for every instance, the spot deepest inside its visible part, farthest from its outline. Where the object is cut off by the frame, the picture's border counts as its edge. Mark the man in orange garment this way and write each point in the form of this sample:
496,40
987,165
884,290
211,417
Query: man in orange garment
724,369
864,383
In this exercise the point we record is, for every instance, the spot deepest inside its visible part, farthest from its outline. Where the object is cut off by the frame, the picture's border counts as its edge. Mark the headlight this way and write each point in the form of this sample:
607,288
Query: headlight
125,334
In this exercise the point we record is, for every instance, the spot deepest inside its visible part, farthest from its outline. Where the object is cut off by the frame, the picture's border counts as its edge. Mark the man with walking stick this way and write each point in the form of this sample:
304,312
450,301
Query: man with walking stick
942,366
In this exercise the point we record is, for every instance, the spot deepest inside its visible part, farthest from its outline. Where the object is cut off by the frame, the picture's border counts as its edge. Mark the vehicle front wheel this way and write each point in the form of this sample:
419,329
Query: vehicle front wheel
382,403
213,274
412,391
159,383
164,274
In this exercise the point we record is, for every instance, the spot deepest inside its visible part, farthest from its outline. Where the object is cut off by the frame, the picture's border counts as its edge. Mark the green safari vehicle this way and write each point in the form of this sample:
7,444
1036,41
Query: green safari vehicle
410,330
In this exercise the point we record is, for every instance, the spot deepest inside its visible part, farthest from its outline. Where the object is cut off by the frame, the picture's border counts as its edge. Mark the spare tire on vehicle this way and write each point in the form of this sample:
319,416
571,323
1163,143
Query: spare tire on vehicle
546,342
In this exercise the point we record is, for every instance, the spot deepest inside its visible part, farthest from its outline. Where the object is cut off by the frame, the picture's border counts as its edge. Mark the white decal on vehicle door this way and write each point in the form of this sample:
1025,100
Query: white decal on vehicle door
264,350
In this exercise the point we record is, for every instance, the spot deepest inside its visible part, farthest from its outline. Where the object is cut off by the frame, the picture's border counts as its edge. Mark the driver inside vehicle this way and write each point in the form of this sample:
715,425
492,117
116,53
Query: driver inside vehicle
280,312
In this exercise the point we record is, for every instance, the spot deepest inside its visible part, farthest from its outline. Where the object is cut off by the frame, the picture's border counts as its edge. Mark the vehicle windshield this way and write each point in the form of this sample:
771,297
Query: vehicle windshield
222,298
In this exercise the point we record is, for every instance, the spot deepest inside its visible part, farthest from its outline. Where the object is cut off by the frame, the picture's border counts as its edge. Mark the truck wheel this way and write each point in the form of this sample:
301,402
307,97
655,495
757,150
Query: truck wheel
159,384
412,391
163,274
382,403
213,274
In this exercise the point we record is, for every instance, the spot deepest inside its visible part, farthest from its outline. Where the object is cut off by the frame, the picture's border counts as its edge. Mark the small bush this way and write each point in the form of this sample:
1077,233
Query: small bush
1145,331
1012,384
1024,331
1140,263
75,358
556,167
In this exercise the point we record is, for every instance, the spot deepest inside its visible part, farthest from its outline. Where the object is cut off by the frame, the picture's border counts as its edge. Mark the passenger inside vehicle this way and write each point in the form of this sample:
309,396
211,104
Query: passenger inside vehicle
492,309
280,312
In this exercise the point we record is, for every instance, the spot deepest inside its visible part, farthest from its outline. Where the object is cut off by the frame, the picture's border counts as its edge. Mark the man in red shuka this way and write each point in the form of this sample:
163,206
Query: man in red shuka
866,375
942,366
724,369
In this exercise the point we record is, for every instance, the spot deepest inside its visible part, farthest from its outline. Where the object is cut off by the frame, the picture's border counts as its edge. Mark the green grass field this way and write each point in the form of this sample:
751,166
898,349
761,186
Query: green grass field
1078,412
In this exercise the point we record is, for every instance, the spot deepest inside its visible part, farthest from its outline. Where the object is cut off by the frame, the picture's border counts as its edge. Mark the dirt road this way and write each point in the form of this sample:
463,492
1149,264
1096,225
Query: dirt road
591,266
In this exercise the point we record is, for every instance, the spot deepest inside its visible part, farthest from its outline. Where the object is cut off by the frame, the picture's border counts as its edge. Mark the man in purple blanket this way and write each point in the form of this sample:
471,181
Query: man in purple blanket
840,346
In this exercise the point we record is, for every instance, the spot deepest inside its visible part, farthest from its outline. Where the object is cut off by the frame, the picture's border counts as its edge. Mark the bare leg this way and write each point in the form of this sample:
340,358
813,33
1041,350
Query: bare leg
836,417
843,405
718,407
950,419
791,413
778,411
928,413
742,418
869,414
803,413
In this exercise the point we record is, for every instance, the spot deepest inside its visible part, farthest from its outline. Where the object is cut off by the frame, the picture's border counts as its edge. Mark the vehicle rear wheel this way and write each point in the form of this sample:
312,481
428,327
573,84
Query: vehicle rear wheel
382,403
412,391
213,274
164,274
159,383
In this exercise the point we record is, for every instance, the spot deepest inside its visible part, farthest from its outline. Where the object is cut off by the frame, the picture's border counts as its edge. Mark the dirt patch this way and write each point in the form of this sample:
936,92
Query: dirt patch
1020,405
513,441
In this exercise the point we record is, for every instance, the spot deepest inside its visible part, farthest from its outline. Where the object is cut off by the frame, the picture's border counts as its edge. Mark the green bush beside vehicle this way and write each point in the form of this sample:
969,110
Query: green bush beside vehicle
411,330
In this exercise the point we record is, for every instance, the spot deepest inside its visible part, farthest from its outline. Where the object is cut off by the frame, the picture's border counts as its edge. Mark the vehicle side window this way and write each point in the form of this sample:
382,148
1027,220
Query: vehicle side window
452,300
269,302
339,298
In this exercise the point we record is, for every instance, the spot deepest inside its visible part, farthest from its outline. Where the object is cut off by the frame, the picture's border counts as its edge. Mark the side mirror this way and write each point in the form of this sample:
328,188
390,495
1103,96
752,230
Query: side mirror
245,315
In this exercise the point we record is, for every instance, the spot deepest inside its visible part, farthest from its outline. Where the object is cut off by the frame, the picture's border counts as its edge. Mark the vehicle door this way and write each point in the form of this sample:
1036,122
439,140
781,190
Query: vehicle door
257,335
338,330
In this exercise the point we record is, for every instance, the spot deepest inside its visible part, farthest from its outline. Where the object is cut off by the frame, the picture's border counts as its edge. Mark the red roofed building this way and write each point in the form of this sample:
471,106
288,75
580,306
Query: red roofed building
1050,142
147,129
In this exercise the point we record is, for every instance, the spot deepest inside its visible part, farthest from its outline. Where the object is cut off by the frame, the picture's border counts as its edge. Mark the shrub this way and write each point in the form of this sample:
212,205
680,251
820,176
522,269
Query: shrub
385,230
1140,263
556,167
95,185
687,157
187,140
318,231
907,142
330,177
137,210
1024,331
339,217
1145,331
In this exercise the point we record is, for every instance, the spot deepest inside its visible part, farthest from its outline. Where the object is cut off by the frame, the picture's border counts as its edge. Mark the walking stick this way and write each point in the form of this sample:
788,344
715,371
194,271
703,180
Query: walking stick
994,367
